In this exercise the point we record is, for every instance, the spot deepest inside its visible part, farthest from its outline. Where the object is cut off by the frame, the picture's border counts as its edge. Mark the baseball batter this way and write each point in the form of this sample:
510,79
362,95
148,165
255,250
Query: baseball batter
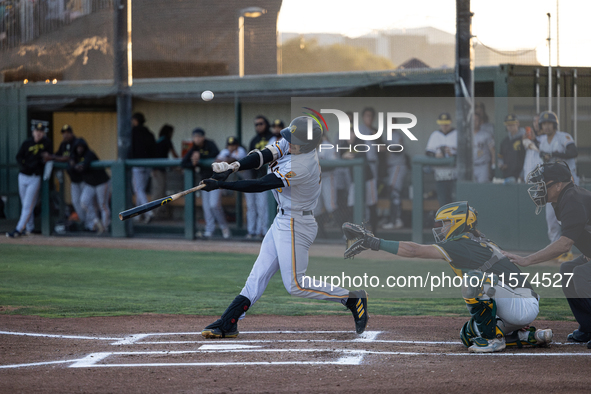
294,178
501,312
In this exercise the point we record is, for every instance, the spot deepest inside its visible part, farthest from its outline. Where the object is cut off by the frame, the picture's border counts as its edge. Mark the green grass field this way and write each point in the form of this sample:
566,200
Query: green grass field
80,282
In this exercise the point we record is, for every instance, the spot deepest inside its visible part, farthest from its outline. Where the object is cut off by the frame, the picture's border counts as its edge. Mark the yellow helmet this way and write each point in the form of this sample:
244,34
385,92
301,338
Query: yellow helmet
461,217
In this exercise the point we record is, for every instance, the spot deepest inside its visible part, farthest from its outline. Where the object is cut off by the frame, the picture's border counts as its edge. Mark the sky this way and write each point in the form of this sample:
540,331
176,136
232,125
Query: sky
501,24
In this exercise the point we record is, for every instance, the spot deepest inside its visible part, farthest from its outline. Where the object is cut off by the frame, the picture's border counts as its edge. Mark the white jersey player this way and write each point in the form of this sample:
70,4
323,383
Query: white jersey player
556,146
295,180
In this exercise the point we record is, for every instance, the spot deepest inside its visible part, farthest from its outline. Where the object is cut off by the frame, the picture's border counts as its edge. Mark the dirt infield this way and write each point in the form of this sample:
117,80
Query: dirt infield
165,353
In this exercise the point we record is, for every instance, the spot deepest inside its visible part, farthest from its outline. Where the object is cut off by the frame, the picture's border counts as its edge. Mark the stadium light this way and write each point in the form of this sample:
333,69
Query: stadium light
249,12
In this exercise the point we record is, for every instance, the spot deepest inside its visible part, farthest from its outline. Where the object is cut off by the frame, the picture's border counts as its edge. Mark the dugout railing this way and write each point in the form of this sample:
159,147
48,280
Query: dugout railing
121,192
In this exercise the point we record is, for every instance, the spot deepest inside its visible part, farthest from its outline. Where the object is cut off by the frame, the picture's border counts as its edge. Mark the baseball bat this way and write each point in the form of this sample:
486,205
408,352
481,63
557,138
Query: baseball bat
133,212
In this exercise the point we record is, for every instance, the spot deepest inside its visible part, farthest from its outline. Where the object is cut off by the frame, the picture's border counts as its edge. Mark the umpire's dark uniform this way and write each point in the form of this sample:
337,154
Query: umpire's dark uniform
573,209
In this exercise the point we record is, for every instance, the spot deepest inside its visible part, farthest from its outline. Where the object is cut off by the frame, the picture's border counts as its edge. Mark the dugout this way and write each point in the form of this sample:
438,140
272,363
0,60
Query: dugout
89,106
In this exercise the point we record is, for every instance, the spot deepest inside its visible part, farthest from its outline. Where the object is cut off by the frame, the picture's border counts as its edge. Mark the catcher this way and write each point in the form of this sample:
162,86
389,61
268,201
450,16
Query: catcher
501,314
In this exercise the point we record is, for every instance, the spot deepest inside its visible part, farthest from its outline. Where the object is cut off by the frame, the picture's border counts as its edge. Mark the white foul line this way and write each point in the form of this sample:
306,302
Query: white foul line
57,336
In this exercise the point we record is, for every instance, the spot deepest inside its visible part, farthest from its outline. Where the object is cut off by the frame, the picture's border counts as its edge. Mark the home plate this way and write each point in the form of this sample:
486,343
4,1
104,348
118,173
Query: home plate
227,347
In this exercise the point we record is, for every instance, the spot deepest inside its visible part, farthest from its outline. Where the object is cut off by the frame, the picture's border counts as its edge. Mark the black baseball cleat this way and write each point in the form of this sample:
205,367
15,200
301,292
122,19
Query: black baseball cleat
579,336
357,304
214,330
14,234
227,325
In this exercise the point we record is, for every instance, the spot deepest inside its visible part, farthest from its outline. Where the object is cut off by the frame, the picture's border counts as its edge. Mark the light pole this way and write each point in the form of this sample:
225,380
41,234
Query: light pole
249,12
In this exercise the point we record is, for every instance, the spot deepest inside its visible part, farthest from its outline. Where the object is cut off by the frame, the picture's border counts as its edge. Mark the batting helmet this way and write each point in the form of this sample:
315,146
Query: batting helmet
543,176
461,217
298,133
548,116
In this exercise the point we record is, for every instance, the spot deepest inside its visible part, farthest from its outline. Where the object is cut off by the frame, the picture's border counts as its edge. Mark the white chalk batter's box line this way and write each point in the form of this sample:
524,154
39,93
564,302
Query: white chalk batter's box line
138,339
347,356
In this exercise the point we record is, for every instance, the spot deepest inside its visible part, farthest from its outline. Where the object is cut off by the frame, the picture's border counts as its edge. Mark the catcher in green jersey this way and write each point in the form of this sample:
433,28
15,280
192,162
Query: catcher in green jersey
501,314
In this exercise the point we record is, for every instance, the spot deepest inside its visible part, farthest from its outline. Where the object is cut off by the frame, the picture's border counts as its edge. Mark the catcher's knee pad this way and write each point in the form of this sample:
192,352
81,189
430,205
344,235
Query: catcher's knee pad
484,314
477,284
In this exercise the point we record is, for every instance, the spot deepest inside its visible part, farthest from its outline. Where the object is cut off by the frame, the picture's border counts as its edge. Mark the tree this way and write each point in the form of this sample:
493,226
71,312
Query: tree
299,56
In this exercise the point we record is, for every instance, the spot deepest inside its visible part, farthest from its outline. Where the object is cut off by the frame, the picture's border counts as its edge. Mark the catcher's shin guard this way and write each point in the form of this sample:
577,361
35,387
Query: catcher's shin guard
227,325
530,337
468,333
357,304
484,314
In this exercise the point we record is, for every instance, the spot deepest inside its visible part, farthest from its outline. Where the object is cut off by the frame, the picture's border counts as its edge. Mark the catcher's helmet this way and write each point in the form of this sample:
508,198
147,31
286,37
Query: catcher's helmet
462,218
544,176
548,116
298,133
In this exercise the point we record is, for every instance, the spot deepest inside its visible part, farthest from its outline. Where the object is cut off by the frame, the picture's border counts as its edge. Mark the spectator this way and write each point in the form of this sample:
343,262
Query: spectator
257,203
233,152
276,128
164,147
512,153
63,155
201,150
143,146
371,169
483,151
531,143
327,202
485,125
31,158
97,186
397,169
556,146
444,143
343,177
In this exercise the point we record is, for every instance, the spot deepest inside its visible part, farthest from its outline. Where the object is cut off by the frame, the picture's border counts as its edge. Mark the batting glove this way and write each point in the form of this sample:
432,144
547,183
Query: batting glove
210,184
223,166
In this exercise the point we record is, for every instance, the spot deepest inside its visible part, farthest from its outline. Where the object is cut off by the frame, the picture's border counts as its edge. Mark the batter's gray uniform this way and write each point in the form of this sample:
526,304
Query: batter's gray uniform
286,244
558,144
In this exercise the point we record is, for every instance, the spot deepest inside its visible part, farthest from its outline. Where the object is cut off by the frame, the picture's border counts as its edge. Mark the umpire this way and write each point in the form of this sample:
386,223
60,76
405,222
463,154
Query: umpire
553,182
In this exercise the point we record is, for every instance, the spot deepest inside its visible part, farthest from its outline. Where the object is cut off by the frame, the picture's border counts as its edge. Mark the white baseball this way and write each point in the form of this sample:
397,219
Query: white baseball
207,95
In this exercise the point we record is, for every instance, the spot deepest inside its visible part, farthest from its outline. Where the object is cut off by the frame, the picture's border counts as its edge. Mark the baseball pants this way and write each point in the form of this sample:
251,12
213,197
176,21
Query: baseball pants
327,203
578,291
251,213
481,173
213,211
396,176
554,229
76,189
28,190
285,247
139,178
100,194
516,308
262,212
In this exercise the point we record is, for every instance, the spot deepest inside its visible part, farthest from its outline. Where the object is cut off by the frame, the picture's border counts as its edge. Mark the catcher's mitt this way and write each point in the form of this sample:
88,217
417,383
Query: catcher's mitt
358,239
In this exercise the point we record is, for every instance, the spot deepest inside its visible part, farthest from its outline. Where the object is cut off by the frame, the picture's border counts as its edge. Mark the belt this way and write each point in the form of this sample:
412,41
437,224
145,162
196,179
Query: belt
286,211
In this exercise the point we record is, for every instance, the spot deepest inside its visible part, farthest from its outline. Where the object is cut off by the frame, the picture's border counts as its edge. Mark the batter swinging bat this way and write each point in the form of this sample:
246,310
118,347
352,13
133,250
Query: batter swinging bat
133,212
